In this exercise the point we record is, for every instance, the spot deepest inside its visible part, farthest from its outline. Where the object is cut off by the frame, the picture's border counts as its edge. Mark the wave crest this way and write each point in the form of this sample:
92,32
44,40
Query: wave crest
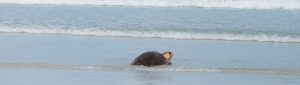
241,4
158,34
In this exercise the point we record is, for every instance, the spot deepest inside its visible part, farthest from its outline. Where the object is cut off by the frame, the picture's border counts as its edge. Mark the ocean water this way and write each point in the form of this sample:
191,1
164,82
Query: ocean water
215,42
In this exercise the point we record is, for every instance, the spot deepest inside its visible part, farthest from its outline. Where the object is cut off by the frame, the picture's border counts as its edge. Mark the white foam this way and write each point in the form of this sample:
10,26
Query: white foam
242,4
158,34
276,71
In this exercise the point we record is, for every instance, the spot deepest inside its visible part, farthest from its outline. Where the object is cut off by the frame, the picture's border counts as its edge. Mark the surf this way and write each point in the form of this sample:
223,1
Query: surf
239,4
156,34
274,71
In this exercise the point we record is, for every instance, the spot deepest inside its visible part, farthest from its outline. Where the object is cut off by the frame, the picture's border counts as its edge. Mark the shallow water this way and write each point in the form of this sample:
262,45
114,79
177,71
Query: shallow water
274,25
89,42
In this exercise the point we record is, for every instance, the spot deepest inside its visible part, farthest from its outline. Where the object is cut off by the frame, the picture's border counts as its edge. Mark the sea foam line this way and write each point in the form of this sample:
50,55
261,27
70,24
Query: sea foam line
275,71
241,4
158,34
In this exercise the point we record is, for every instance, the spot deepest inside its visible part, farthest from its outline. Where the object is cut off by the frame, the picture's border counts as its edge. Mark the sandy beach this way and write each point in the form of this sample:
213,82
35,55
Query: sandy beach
64,59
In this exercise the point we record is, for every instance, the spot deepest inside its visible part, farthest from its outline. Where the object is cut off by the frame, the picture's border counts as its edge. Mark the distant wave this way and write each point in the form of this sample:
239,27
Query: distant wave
241,4
276,71
157,34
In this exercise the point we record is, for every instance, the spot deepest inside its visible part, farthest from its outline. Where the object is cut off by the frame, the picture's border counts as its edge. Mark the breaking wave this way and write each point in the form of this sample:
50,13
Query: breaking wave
157,34
276,71
241,4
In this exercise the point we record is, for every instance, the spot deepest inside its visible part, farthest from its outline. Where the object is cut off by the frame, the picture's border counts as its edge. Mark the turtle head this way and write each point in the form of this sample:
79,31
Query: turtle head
168,55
